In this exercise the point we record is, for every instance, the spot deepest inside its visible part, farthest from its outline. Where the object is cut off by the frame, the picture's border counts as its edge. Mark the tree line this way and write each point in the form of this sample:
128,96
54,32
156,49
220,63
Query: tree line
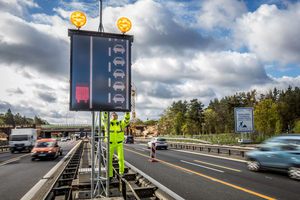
275,112
9,118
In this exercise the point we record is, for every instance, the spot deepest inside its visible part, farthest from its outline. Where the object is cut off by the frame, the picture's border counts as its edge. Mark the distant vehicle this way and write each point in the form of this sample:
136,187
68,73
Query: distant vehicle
119,49
119,61
118,98
281,153
63,139
119,86
128,139
22,139
118,73
46,148
68,137
160,143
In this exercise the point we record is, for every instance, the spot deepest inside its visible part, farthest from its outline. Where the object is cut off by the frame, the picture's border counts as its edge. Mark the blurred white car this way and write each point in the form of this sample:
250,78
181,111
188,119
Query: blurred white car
63,139
160,143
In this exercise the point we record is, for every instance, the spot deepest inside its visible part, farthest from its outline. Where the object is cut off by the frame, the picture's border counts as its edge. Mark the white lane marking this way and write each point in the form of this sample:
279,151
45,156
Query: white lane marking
232,159
10,161
202,166
139,149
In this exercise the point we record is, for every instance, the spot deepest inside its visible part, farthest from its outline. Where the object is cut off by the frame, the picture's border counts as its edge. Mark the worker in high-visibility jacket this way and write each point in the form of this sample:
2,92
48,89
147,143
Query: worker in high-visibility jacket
116,137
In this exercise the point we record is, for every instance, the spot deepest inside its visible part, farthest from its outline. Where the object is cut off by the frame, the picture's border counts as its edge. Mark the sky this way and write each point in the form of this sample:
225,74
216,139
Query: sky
182,50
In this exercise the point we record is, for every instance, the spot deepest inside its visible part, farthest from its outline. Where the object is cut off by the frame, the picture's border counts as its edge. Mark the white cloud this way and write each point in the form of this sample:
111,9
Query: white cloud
220,13
171,60
17,7
272,34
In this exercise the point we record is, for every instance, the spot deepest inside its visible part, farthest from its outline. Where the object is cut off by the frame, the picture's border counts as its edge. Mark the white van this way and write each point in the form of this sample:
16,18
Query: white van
22,139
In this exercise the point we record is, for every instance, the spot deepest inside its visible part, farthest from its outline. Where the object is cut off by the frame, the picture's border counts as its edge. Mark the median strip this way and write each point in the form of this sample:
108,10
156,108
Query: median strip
208,177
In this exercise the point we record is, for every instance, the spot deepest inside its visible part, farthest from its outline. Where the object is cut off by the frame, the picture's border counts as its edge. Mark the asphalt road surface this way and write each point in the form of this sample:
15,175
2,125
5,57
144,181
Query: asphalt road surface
18,174
193,175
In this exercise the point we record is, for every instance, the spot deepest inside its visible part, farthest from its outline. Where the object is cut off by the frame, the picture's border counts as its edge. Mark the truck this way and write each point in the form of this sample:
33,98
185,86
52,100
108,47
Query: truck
22,139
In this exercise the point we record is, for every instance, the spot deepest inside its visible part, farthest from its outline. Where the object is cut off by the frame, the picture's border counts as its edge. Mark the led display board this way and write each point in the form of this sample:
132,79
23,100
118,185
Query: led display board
100,71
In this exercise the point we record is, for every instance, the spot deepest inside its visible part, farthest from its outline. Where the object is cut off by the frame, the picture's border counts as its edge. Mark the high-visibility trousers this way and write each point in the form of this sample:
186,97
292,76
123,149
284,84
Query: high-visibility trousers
119,149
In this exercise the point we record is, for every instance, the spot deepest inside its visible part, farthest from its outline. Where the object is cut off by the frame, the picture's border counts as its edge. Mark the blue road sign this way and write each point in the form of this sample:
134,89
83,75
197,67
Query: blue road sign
244,121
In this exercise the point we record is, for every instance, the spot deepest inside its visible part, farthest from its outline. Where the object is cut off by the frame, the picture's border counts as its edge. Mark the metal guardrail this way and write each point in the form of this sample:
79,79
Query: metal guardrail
62,187
209,147
4,145
66,125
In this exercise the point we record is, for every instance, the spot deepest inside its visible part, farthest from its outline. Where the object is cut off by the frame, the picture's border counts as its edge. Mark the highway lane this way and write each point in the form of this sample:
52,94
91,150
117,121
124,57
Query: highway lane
18,174
196,176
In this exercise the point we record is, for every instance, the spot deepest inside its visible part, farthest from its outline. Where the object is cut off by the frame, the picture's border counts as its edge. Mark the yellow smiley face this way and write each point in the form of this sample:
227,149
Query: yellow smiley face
124,24
78,19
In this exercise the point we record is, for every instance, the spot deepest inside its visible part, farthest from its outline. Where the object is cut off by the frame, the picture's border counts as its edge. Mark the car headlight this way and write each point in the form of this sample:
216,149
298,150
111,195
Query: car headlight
33,152
50,151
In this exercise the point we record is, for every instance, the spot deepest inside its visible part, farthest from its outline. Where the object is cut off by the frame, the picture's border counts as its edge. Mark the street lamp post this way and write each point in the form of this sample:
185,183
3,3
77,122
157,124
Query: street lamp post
67,118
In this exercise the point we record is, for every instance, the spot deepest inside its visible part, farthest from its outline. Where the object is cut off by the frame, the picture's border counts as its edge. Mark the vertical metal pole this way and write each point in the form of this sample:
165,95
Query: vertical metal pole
99,152
100,29
107,154
93,152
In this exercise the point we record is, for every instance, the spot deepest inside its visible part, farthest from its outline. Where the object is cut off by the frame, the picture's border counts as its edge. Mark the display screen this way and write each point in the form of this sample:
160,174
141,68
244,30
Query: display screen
100,71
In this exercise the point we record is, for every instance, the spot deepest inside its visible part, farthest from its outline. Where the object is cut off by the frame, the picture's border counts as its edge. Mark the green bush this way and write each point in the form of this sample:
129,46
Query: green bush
297,127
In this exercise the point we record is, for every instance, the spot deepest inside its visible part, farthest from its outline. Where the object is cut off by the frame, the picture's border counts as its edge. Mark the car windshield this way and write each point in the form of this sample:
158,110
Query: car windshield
19,137
44,144
161,139
292,141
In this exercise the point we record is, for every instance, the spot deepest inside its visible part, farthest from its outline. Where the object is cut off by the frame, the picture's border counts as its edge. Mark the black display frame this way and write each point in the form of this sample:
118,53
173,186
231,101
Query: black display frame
81,33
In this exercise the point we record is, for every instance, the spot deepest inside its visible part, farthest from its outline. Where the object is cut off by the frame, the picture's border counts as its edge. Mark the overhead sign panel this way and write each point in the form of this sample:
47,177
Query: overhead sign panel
100,71
244,120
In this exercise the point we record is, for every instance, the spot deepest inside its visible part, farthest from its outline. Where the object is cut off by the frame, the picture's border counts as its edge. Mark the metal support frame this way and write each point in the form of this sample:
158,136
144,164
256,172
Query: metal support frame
97,186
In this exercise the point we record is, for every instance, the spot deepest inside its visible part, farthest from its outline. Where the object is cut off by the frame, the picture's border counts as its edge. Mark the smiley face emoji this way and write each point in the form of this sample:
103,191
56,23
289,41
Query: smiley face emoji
78,19
124,24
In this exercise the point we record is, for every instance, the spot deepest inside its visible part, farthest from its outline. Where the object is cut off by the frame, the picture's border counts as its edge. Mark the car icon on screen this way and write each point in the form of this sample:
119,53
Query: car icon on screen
119,49
118,98
119,86
118,73
119,61
118,107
